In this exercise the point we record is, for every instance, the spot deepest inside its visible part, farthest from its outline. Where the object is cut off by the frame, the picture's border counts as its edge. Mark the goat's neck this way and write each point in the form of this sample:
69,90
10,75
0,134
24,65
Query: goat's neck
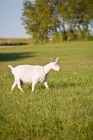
47,68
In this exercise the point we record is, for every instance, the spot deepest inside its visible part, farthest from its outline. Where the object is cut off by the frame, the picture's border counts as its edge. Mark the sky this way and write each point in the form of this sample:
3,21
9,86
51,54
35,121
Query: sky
10,22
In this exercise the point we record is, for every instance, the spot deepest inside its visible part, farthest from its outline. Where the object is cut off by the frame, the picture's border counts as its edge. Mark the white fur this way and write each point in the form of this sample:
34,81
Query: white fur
32,74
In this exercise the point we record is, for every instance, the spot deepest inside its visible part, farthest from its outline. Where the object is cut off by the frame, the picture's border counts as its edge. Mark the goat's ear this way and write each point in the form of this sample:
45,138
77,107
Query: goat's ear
57,59
51,59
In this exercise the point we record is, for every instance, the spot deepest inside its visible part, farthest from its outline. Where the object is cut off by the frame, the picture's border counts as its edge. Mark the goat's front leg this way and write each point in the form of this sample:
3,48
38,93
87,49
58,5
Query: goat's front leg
46,85
33,86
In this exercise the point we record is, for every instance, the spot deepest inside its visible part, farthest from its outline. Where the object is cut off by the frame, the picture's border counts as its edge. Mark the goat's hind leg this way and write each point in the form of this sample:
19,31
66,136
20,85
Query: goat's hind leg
19,86
13,86
18,82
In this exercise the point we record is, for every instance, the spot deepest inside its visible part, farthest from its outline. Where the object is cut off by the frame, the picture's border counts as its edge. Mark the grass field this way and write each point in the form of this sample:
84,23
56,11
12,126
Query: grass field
14,41
65,112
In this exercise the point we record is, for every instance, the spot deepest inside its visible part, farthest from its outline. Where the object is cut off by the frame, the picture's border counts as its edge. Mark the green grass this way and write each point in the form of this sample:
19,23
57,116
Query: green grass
65,112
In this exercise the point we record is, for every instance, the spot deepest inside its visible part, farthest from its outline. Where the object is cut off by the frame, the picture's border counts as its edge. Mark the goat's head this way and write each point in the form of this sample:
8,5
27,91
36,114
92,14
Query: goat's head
55,65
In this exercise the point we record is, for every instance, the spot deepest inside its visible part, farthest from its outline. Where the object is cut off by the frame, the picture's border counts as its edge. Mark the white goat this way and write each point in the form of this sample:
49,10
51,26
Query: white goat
32,74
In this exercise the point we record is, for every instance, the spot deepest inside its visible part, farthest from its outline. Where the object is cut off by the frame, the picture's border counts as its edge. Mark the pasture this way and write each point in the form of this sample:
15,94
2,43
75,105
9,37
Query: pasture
65,111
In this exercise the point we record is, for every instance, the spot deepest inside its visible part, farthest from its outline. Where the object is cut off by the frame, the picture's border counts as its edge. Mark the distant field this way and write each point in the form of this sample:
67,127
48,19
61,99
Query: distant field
14,41
65,112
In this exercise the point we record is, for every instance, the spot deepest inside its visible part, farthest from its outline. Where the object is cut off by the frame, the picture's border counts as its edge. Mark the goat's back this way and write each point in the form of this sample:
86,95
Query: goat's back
27,73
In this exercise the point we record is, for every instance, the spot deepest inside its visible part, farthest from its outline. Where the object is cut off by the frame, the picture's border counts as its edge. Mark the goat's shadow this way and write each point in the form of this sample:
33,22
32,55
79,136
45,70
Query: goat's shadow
15,56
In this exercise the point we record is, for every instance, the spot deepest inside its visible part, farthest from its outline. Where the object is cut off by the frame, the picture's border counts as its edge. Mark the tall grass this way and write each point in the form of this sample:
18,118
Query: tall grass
65,112
14,41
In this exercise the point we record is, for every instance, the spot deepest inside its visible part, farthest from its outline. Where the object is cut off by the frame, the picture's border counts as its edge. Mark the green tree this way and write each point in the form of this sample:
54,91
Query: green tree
44,18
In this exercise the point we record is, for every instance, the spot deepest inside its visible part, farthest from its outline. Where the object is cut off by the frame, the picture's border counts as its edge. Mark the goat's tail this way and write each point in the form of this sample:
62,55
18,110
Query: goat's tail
10,67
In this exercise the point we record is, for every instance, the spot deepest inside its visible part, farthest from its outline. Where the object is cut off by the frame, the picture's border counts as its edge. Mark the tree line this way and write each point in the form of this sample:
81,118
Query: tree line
58,19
